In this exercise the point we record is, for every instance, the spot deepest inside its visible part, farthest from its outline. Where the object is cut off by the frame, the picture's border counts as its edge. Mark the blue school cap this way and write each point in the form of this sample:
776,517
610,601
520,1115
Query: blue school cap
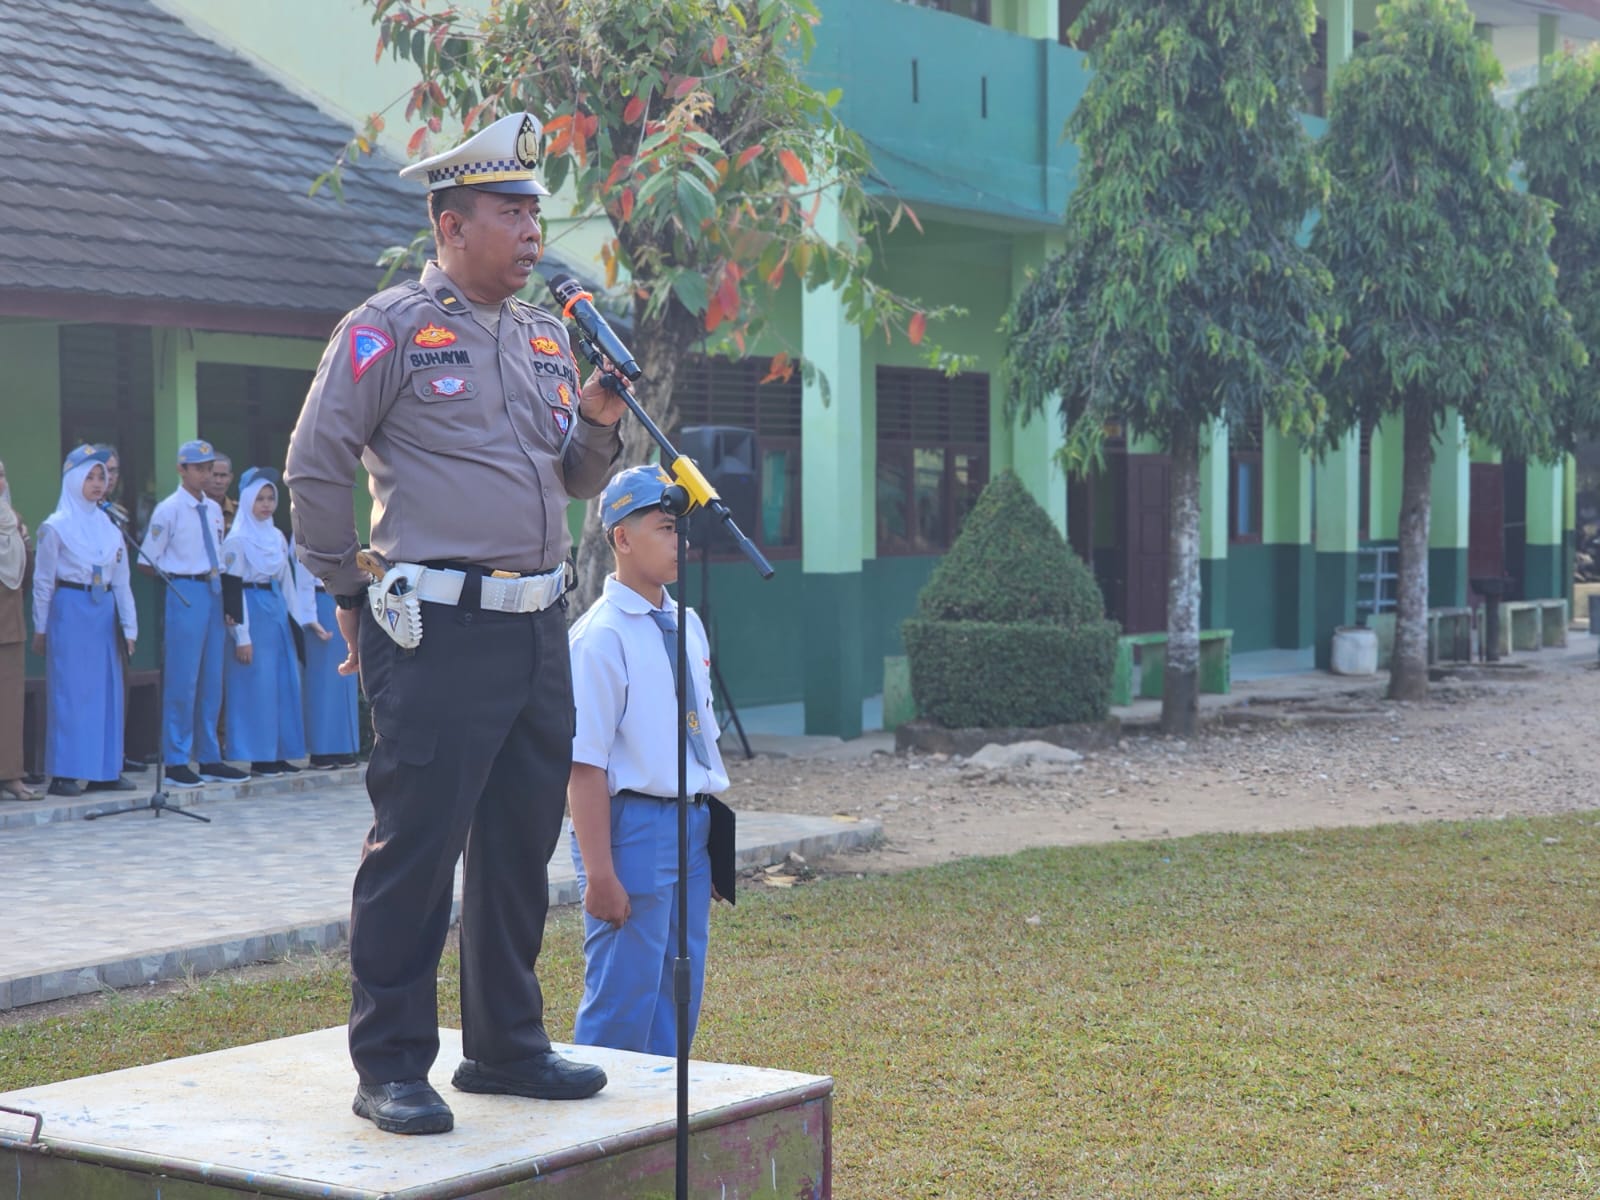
631,490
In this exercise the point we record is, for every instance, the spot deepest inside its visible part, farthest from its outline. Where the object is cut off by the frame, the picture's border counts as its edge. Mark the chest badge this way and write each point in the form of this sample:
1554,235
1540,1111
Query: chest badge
367,346
449,386
433,337
565,394
563,419
545,345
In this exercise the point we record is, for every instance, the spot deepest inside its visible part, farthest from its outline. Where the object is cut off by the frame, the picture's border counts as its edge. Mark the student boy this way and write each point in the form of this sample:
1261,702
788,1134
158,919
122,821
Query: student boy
624,784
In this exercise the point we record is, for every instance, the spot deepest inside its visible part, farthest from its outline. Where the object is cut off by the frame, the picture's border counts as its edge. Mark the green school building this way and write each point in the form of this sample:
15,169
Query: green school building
164,275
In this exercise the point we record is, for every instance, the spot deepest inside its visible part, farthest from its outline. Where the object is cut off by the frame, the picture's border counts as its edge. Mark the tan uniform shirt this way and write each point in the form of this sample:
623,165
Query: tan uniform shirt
472,439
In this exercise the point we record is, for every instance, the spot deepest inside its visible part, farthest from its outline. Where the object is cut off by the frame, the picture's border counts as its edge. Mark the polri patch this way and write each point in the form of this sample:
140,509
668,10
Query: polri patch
433,337
563,419
545,345
367,346
449,386
565,393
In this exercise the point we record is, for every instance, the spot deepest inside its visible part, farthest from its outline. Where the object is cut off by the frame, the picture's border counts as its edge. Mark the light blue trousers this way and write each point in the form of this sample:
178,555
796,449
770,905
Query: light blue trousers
191,673
627,979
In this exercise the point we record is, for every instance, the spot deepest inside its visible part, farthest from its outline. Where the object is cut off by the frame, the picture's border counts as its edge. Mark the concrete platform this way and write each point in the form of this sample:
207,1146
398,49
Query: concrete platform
273,1119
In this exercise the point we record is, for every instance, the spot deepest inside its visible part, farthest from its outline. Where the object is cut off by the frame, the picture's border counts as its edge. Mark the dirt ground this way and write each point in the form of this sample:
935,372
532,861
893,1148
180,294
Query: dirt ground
1489,742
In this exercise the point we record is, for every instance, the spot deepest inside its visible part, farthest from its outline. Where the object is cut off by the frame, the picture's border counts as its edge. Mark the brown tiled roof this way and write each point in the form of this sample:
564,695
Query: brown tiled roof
153,176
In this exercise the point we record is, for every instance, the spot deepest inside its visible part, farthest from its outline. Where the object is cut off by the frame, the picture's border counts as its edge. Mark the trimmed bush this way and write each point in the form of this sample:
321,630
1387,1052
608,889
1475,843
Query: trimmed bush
972,673
1010,628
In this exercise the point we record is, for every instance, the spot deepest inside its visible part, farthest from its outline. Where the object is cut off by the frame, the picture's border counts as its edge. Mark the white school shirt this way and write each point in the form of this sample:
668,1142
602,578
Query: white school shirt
627,706
57,561
236,560
175,542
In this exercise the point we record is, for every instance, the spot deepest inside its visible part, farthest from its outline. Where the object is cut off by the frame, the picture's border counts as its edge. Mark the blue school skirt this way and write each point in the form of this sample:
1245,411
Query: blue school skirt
83,686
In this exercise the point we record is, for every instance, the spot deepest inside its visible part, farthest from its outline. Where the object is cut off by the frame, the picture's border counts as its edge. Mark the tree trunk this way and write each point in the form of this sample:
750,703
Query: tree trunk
658,351
1408,667
1180,696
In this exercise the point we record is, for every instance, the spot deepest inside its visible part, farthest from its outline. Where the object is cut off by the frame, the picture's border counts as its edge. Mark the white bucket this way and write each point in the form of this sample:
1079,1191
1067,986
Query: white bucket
1355,651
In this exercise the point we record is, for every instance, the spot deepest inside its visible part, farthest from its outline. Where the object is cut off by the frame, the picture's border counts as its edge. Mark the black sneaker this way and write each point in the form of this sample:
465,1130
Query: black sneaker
288,768
221,773
324,762
65,787
265,770
119,784
182,776
135,765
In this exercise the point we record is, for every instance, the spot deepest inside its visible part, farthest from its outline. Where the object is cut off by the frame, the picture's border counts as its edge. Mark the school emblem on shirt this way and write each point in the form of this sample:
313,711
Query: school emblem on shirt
449,386
693,721
564,393
563,419
367,346
433,337
545,345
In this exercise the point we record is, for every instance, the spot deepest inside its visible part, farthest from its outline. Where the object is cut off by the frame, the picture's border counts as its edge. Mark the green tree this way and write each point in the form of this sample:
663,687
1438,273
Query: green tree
690,126
1441,271
1182,297
1559,144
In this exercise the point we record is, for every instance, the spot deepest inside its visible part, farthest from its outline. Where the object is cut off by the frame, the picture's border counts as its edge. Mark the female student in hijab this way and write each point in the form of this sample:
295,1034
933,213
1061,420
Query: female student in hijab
261,682
13,634
333,721
80,594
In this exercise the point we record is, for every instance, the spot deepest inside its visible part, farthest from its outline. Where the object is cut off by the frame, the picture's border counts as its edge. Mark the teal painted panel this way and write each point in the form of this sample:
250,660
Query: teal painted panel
954,113
890,587
1295,580
755,627
1214,580
1253,595
1542,572
1336,601
1447,577
831,635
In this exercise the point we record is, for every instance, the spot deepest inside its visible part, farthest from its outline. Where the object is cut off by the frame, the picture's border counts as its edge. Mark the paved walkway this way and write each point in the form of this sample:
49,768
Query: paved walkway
132,899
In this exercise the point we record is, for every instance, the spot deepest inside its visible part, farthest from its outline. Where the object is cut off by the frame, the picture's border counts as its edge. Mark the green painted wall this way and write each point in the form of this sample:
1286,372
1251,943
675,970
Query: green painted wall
1253,597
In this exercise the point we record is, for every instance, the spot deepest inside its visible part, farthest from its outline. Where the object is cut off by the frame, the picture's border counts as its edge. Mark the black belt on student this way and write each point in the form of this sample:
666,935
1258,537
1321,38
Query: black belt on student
83,587
266,586
202,577
630,794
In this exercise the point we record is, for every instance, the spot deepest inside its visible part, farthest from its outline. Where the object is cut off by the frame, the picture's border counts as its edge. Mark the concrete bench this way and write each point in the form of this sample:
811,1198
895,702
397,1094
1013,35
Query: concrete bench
1450,635
1532,624
1146,654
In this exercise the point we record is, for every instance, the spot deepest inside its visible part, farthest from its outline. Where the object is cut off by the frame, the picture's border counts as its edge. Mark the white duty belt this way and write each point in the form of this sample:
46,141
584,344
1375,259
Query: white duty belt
517,594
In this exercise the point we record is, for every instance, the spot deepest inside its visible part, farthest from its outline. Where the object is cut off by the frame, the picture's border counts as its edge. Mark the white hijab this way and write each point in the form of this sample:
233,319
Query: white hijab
84,530
256,542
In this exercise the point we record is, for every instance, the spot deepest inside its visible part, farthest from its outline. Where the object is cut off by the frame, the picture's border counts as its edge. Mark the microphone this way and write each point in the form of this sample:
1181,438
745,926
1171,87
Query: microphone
577,306
111,511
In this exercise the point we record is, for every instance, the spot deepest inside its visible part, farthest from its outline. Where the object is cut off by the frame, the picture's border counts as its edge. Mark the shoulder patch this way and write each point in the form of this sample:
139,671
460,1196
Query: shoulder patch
367,346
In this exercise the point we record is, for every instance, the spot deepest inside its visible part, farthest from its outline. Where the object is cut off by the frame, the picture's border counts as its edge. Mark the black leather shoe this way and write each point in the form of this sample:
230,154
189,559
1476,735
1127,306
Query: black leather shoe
119,784
405,1106
65,787
547,1076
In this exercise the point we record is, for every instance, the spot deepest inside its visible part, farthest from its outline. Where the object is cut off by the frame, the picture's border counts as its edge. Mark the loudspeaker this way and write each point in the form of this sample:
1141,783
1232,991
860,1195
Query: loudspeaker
730,457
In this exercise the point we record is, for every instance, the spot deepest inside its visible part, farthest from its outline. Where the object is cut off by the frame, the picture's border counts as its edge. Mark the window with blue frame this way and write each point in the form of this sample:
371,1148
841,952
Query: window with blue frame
1244,483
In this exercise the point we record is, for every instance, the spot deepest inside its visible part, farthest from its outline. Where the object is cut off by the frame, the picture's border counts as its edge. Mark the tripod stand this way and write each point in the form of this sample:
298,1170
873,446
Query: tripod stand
716,672
157,803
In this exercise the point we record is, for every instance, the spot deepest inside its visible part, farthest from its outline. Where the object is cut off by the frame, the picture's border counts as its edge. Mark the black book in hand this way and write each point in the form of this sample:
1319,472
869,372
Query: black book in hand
233,598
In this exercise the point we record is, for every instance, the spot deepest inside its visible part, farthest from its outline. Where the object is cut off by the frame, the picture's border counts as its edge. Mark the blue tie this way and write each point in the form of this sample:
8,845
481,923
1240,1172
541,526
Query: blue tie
669,635
211,548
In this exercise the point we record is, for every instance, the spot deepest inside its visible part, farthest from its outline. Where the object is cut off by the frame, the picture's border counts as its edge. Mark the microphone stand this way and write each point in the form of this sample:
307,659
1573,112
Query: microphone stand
157,801
693,490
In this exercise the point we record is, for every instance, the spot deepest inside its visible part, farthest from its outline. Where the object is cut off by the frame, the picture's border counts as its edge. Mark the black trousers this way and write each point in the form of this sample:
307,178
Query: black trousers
473,749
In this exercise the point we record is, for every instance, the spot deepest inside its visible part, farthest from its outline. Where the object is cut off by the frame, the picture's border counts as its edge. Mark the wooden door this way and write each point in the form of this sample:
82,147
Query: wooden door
1149,515
1486,523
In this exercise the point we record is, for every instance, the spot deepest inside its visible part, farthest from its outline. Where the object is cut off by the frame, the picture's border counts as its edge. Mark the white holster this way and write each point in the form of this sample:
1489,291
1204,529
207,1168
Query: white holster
396,606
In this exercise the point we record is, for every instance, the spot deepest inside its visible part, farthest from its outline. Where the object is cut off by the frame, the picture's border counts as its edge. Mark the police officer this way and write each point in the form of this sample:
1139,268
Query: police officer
464,405
185,541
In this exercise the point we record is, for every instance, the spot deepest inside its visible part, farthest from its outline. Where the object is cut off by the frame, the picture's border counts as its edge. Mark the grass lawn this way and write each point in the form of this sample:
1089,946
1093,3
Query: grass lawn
1404,1011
